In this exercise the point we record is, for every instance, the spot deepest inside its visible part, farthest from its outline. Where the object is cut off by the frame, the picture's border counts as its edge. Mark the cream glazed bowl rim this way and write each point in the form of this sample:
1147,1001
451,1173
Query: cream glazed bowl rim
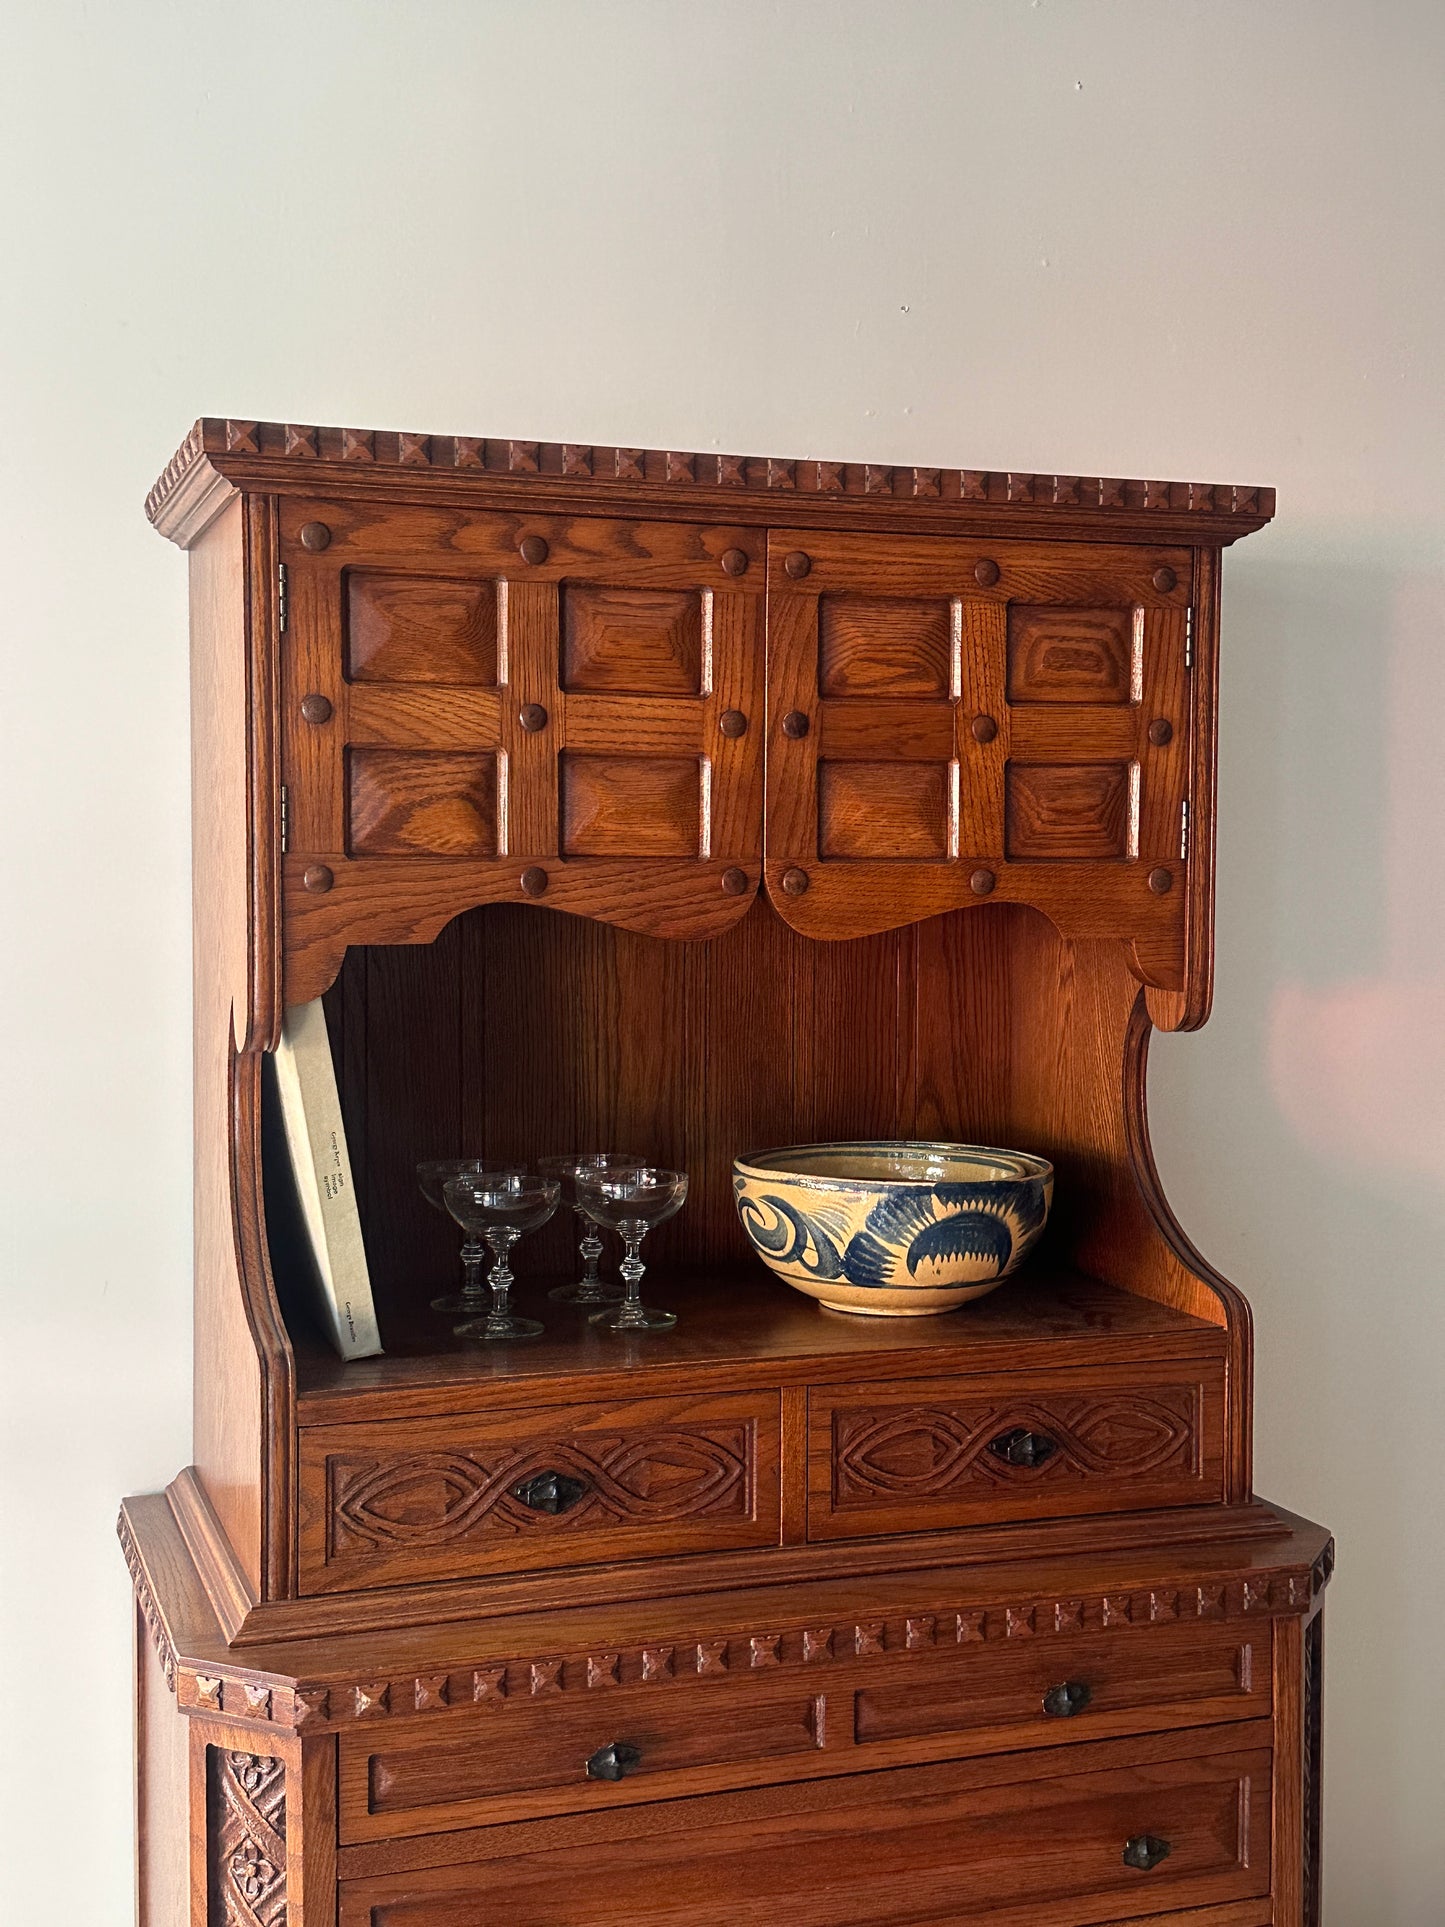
1008,1167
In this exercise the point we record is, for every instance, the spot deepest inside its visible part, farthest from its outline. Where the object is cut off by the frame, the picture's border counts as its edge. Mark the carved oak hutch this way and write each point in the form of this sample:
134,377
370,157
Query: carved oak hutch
696,803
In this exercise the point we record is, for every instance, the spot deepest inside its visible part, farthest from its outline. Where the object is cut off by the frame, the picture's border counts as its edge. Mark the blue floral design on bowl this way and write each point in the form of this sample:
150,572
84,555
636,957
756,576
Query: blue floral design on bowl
893,1229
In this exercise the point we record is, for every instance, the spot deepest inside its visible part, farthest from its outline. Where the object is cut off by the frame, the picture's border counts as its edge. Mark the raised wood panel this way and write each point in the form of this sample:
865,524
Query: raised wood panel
1067,811
885,810
1062,655
435,1499
896,1459
420,629
644,806
1010,1846
645,642
405,801
889,646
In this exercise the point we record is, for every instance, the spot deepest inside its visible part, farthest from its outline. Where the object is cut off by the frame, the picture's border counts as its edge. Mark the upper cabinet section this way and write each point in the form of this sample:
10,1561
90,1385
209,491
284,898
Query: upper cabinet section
481,708
461,670
952,721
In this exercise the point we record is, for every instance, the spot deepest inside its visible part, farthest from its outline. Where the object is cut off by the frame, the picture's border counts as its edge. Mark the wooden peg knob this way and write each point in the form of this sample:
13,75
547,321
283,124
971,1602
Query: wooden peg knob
985,572
1161,881
534,881
796,564
734,561
315,708
796,725
533,549
983,729
317,879
315,536
734,882
733,722
795,882
1164,579
532,717
1161,731
981,882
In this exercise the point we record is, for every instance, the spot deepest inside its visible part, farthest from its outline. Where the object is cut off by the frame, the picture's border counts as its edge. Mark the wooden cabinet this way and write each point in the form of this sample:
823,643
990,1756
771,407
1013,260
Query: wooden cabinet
690,804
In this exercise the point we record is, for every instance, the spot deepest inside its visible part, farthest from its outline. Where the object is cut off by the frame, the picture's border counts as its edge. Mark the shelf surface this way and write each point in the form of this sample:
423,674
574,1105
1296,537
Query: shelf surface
741,1329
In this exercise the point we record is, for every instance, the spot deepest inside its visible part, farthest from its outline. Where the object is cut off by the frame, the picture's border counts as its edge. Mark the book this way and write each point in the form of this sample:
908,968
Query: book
316,1141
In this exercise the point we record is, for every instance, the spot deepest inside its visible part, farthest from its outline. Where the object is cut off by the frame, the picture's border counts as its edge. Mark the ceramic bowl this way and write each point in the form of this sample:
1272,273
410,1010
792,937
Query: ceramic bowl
893,1230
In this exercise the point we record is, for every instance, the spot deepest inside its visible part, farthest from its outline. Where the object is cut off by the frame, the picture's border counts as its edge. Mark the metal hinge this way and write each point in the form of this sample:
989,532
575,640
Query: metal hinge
1188,638
285,820
281,597
1184,829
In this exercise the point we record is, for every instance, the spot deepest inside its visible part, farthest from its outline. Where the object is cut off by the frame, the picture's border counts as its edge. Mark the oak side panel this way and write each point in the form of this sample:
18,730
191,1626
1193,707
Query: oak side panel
239,1341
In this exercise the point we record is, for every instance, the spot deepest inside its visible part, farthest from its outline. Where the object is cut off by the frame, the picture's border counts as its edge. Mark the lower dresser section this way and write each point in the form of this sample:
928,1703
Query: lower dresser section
1102,1832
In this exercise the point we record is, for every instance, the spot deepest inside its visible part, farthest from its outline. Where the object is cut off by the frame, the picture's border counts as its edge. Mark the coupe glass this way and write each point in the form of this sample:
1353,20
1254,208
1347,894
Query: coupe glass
497,1206
631,1203
432,1176
591,1289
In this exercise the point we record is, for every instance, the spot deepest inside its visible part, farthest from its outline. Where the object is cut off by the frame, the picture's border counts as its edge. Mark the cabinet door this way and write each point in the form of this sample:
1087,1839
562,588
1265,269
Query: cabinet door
952,722
483,708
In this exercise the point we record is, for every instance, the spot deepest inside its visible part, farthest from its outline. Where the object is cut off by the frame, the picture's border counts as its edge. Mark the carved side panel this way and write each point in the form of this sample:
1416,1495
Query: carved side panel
246,1839
1311,1884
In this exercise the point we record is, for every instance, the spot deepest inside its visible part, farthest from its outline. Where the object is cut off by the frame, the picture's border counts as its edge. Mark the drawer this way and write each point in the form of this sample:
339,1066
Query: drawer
1061,1689
1012,1843
925,1454
613,1747
388,1502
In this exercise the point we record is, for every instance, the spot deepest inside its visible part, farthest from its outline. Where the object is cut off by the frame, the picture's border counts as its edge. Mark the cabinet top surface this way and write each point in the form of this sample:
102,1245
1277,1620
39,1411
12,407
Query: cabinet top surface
743,1329
220,456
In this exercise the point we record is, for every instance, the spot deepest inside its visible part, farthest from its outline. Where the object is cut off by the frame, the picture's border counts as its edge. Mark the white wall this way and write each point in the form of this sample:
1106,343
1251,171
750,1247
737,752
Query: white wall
1109,236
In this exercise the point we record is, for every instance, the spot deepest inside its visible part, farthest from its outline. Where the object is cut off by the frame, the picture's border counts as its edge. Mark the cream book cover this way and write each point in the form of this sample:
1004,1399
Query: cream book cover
311,1111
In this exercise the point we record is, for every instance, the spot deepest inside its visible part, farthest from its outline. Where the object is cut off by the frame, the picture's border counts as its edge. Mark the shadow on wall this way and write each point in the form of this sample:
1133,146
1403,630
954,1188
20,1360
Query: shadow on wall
1302,1140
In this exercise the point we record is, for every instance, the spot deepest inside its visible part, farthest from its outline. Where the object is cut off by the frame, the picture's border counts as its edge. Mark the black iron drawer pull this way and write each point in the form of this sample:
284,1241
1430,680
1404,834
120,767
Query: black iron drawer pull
1063,1701
550,1492
615,1761
1145,1851
1023,1447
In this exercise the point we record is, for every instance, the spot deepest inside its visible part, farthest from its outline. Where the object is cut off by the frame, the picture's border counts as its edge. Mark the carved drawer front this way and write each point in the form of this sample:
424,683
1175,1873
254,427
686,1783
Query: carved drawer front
386,1503
470,700
929,1453
1013,1841
951,721
607,1747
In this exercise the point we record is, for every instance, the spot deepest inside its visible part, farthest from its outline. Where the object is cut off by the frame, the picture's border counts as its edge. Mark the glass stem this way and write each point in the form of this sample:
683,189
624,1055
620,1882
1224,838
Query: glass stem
474,1289
629,1313
590,1248
501,1238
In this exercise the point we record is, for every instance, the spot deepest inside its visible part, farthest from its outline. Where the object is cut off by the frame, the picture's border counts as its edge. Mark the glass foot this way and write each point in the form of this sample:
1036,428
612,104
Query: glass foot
495,1327
633,1318
584,1294
450,1301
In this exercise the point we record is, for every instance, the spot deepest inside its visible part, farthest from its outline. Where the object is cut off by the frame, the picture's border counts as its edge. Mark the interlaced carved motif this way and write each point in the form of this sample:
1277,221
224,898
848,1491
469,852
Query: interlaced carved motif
435,1498
247,1825
927,1451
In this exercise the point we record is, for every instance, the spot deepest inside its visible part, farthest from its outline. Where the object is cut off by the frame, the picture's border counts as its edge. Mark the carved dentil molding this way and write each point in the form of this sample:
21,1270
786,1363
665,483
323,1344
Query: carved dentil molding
309,1707
689,472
